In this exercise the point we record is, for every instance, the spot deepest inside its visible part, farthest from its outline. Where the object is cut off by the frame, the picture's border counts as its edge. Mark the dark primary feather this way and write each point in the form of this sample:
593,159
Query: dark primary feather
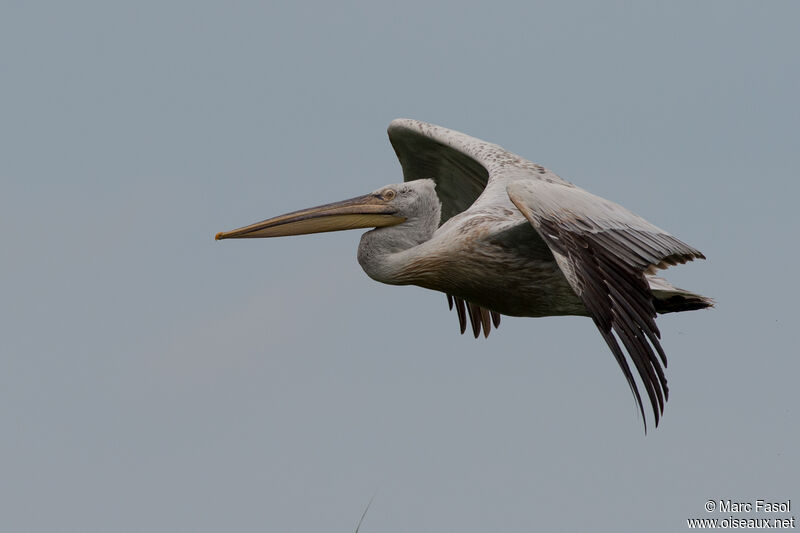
479,317
603,249
618,299
605,263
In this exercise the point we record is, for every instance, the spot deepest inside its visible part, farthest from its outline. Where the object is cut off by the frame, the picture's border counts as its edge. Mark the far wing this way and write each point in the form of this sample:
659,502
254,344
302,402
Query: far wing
462,166
446,156
478,316
466,170
604,251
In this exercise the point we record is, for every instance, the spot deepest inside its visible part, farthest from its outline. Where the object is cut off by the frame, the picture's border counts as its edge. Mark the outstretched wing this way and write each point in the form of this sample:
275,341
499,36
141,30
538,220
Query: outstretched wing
604,251
445,156
465,170
463,167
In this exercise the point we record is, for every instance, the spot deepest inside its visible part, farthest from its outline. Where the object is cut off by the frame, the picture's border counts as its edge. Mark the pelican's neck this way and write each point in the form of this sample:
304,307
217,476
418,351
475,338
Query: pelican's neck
384,252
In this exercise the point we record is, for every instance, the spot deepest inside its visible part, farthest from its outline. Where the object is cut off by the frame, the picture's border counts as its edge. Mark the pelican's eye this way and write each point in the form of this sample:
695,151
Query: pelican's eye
388,195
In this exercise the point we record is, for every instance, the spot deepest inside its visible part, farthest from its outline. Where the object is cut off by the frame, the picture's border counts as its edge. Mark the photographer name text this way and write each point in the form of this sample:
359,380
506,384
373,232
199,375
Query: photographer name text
757,506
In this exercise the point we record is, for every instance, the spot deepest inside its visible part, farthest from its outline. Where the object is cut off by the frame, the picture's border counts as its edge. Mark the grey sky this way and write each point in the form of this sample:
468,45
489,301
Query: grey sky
154,380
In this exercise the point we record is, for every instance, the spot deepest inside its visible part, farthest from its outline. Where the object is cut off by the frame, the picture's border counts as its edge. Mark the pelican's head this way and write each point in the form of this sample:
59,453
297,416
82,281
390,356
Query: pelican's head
387,206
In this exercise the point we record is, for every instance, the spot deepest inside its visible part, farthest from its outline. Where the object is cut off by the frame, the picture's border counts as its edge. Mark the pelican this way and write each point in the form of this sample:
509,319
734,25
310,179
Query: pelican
500,235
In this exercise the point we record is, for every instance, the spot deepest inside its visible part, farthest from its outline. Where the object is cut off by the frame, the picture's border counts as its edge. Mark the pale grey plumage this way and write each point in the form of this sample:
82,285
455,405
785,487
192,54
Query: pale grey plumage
498,205
501,235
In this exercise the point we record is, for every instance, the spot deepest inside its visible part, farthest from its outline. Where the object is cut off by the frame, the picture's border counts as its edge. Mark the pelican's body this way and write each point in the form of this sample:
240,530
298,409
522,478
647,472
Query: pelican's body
490,257
501,235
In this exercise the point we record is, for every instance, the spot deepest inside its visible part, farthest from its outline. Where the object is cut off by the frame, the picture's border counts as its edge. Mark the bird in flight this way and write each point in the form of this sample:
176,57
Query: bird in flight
500,235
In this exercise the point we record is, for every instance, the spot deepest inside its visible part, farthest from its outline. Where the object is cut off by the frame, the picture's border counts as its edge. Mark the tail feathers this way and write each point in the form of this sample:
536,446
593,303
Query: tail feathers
670,299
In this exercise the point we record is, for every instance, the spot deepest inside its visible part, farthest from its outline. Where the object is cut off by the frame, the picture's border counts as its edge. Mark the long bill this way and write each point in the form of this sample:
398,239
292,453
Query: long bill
368,211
